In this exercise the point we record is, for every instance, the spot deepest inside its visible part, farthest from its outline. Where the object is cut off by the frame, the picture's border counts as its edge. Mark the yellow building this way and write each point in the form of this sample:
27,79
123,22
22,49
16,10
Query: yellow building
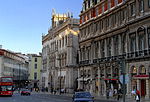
35,65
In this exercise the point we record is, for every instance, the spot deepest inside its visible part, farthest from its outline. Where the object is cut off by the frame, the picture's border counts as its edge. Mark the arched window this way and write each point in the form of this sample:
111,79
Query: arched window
108,71
134,71
116,72
142,70
141,38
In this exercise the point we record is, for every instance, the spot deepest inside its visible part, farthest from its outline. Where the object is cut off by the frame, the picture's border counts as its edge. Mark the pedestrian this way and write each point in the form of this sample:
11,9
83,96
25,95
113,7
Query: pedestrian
119,94
137,96
133,93
115,93
110,93
107,93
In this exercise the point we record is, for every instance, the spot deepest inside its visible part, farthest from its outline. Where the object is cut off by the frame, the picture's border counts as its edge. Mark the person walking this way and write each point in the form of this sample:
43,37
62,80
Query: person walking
119,94
107,93
137,96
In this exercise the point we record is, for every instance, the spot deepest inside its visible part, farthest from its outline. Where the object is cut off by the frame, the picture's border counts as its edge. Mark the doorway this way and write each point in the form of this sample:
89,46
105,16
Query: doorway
143,88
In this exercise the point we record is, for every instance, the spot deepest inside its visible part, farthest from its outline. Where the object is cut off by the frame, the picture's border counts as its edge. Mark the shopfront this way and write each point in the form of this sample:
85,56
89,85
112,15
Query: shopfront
140,80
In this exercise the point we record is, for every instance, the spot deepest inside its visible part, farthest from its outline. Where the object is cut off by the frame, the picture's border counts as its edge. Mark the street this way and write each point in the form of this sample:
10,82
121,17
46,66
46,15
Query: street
40,97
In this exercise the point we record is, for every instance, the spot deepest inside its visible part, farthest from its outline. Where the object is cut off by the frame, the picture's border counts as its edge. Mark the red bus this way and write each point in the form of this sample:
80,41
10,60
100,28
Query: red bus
6,86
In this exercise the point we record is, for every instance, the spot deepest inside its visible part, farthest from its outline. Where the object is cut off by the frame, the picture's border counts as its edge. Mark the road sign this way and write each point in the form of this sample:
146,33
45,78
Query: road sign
126,78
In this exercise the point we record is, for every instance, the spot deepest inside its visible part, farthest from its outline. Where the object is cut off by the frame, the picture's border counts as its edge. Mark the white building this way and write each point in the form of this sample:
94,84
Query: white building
12,64
60,47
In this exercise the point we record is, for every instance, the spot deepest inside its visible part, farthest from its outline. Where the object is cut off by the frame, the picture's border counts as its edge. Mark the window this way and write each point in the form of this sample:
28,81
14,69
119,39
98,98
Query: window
102,49
142,70
96,27
149,3
132,8
122,15
97,11
35,75
35,66
96,49
88,53
35,59
66,40
116,45
123,43
89,3
109,47
115,19
141,40
141,5
148,31
132,43
134,70
107,22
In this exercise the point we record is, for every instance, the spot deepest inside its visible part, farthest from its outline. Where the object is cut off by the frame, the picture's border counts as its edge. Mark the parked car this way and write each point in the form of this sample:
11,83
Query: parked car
82,97
25,92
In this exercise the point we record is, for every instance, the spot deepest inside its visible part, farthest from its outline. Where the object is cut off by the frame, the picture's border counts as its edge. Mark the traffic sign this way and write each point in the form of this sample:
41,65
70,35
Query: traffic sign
126,78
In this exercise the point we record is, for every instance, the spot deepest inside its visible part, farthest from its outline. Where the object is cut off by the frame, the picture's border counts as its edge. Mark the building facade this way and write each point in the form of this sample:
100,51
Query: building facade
13,65
111,30
60,47
35,66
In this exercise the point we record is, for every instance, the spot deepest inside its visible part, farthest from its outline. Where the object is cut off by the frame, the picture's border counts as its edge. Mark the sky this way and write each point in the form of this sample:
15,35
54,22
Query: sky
22,22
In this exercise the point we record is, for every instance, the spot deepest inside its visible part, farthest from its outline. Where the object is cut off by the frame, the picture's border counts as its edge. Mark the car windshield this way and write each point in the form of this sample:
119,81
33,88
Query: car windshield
82,95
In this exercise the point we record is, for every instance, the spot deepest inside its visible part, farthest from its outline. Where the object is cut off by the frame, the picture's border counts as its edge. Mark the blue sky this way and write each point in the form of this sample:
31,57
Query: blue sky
22,22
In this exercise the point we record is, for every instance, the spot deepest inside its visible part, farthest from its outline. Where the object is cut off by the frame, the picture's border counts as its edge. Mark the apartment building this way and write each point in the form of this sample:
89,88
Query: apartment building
111,30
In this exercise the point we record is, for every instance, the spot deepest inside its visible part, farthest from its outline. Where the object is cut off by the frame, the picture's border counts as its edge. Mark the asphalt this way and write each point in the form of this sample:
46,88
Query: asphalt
97,97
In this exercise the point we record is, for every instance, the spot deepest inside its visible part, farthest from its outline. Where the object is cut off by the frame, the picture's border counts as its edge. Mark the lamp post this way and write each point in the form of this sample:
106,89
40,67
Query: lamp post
122,67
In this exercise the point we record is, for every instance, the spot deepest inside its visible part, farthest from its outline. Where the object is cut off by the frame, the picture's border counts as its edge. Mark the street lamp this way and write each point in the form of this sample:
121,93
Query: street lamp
122,67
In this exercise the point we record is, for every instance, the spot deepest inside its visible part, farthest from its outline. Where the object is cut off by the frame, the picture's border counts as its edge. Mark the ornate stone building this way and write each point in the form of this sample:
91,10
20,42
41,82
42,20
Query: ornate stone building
61,56
110,30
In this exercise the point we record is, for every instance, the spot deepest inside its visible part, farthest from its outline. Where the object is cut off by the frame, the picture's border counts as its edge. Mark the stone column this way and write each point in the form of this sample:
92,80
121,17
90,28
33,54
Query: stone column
146,40
112,47
99,84
138,84
104,82
92,51
119,45
105,48
147,89
137,43
99,43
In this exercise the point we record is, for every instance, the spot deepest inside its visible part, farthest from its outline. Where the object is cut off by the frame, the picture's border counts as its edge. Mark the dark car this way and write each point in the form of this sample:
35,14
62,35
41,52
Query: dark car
82,97
25,92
